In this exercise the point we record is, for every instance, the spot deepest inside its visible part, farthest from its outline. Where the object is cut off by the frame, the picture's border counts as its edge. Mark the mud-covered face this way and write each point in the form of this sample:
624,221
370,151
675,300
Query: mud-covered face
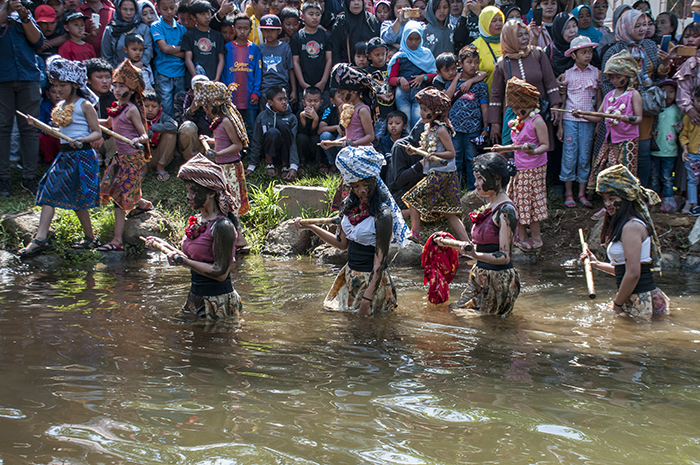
197,195
612,203
364,189
485,182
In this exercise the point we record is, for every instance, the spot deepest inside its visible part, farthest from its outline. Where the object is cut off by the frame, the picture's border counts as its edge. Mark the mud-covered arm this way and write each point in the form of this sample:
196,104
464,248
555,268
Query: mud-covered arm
224,235
383,224
338,240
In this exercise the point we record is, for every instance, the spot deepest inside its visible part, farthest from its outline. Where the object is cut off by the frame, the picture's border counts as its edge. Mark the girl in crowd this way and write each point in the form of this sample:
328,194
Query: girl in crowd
230,138
584,16
529,188
371,220
122,179
491,22
147,12
208,246
437,34
72,180
689,38
410,70
438,193
493,283
600,12
632,244
564,29
688,74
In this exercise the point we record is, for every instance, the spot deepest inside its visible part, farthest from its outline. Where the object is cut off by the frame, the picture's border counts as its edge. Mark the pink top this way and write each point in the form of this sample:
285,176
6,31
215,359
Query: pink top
581,90
221,142
527,135
201,248
122,125
616,130
355,131
487,232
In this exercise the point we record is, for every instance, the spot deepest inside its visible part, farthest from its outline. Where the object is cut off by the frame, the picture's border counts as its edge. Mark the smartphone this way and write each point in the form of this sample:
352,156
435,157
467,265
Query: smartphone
412,13
537,16
684,51
665,43
96,20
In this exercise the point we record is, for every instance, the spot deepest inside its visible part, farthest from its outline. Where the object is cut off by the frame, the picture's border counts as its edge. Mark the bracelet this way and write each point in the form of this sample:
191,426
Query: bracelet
365,298
616,304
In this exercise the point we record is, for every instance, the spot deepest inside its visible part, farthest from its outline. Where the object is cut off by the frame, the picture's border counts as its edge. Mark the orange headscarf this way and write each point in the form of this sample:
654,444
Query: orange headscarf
510,46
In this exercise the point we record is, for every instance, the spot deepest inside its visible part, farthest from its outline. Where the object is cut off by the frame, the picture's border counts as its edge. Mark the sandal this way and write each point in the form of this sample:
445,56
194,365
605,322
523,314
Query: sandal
86,243
42,245
569,202
271,170
138,211
584,201
525,246
414,237
110,247
162,176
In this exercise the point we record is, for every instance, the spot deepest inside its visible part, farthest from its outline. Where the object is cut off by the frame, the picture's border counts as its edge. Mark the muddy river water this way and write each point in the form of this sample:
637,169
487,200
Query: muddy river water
94,370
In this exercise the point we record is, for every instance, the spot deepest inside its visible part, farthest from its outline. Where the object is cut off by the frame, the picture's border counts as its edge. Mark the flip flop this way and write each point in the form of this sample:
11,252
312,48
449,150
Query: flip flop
162,176
524,246
584,201
242,250
110,247
570,203
271,170
86,244
138,211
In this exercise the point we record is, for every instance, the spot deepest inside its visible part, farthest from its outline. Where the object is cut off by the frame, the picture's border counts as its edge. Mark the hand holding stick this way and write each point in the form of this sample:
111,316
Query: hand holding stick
425,154
116,135
332,143
163,247
319,221
509,148
51,131
453,243
207,149
591,113
587,266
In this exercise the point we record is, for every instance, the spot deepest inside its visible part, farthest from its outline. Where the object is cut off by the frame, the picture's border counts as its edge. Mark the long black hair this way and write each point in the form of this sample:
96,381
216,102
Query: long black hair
613,225
375,202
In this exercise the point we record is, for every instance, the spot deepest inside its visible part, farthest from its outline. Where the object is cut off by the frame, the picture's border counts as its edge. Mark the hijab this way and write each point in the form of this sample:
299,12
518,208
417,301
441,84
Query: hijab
560,62
509,9
421,57
118,25
625,26
357,28
485,18
510,47
591,32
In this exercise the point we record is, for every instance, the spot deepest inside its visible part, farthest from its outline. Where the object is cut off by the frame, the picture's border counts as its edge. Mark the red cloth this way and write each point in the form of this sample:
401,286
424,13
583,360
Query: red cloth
439,268
49,147
76,52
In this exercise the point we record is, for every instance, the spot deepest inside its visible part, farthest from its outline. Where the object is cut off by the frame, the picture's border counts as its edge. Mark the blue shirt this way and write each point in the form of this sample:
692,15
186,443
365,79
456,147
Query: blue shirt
17,52
465,114
165,64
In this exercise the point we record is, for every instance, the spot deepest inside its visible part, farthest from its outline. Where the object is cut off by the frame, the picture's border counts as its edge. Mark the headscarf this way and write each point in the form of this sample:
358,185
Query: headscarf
439,268
421,57
346,76
118,25
617,180
509,9
625,26
130,76
623,63
148,3
591,32
200,170
560,62
355,28
510,47
60,69
485,18
521,94
357,163
438,103
217,94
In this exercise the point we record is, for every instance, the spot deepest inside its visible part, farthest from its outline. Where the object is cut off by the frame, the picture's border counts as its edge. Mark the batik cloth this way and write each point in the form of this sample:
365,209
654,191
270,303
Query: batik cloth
520,94
490,292
72,182
224,308
435,195
647,304
621,153
235,176
122,180
529,193
349,287
439,268
217,94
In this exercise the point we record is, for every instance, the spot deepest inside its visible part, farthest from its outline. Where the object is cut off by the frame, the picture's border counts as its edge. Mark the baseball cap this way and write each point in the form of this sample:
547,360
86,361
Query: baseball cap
44,14
270,22
71,15
375,42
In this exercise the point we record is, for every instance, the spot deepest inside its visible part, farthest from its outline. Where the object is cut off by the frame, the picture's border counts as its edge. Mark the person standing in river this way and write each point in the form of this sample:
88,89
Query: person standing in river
370,221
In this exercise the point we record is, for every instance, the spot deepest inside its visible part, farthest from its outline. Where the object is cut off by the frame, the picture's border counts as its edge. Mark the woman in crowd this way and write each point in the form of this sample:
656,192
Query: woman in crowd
600,12
438,32
392,30
564,30
584,16
126,20
491,22
353,25
467,28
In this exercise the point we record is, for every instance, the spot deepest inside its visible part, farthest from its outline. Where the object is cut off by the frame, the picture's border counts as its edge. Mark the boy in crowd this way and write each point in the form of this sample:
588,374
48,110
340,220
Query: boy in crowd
45,17
203,46
307,134
227,30
184,16
446,64
329,126
274,137
133,46
75,48
170,59
244,67
99,73
162,134
259,9
60,36
310,52
396,122
386,103
277,62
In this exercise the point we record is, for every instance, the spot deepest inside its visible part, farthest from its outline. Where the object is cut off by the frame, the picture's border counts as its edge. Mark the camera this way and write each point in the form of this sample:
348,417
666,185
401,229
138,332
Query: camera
28,4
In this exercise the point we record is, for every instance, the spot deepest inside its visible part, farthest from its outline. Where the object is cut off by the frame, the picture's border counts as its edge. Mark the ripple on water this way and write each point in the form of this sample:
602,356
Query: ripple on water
12,413
426,406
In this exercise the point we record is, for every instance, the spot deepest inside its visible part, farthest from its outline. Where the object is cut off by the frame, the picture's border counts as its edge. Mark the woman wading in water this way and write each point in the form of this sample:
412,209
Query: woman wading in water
632,244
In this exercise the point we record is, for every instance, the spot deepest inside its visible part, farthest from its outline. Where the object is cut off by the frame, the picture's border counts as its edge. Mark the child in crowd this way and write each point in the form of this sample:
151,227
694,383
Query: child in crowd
438,30
329,127
276,7
49,146
148,12
244,67
690,141
72,180
75,48
203,46
184,16
260,9
360,58
291,23
278,64
274,137
446,64
122,179
170,59
437,194
663,161
582,93
621,144
307,133
133,46
227,31
162,133
45,17
382,10
310,50
99,75
376,54
529,188
229,139
396,129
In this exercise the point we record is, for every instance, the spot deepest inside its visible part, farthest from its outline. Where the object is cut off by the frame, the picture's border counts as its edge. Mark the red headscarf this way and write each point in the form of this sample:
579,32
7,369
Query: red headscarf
439,268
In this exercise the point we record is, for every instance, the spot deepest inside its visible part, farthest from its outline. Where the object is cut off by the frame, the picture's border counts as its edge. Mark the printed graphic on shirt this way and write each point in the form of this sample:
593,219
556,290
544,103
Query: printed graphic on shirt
242,67
205,45
271,62
313,48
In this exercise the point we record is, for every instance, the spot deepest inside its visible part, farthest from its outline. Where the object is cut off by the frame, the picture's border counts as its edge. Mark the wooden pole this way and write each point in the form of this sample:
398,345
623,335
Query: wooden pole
453,243
587,266
425,154
319,221
591,113
207,149
51,131
509,148
163,248
118,136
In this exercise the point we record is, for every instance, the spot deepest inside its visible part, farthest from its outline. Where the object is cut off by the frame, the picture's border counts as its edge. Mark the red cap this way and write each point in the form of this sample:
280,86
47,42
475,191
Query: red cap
44,14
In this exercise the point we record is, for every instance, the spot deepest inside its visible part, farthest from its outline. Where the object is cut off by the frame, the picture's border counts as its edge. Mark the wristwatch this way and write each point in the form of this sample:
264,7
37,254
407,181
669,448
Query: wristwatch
24,20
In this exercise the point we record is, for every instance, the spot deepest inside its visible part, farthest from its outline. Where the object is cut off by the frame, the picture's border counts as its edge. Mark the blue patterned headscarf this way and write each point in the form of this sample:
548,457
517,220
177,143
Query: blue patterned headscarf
422,57
357,163
592,33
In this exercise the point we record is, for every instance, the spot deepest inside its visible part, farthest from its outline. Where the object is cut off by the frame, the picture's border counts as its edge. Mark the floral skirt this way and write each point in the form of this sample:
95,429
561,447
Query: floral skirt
647,304
529,193
235,176
122,180
435,195
611,154
72,182
490,292
349,286
224,308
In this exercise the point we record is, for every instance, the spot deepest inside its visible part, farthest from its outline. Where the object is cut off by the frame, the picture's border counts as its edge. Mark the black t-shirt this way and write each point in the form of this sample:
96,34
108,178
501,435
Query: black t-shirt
205,48
384,107
311,50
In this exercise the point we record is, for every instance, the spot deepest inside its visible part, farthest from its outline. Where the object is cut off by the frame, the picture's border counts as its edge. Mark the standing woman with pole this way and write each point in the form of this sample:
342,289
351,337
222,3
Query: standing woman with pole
632,244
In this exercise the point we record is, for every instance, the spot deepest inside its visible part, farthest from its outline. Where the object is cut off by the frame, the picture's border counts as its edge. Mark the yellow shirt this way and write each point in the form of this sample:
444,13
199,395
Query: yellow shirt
255,35
690,135
487,62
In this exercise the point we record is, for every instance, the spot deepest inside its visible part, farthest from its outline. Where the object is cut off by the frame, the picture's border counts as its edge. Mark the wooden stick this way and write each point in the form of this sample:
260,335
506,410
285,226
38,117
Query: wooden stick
332,143
425,154
320,221
509,148
453,243
166,249
207,148
587,266
51,131
591,113
118,136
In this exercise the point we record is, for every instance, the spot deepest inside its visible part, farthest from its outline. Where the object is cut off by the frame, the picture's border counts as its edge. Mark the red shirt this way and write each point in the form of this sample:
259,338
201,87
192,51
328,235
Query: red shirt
75,52
106,15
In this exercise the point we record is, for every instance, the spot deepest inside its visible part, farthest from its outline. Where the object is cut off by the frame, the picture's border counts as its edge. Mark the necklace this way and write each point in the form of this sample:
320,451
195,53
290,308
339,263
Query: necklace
429,139
215,124
63,114
346,114
517,125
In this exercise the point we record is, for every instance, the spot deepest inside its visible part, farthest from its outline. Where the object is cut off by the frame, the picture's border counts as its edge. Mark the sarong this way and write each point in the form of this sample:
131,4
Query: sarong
220,308
529,193
72,181
349,286
647,304
435,195
621,153
122,180
490,292
235,176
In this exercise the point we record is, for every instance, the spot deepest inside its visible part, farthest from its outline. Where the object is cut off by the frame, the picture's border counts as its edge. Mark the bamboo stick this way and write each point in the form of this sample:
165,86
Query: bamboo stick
591,113
116,135
509,148
587,266
166,249
453,243
207,148
51,131
425,154
332,143
319,221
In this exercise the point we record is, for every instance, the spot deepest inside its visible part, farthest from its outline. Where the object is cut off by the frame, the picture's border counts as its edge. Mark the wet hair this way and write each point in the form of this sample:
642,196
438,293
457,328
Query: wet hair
132,38
673,19
199,7
312,90
613,225
493,167
445,60
468,51
361,48
398,114
151,95
375,203
97,64
273,91
308,5
242,17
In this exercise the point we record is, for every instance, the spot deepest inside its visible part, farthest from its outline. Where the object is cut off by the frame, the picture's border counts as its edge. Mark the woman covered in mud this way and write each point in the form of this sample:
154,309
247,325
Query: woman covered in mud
370,221
493,283
208,246
632,244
